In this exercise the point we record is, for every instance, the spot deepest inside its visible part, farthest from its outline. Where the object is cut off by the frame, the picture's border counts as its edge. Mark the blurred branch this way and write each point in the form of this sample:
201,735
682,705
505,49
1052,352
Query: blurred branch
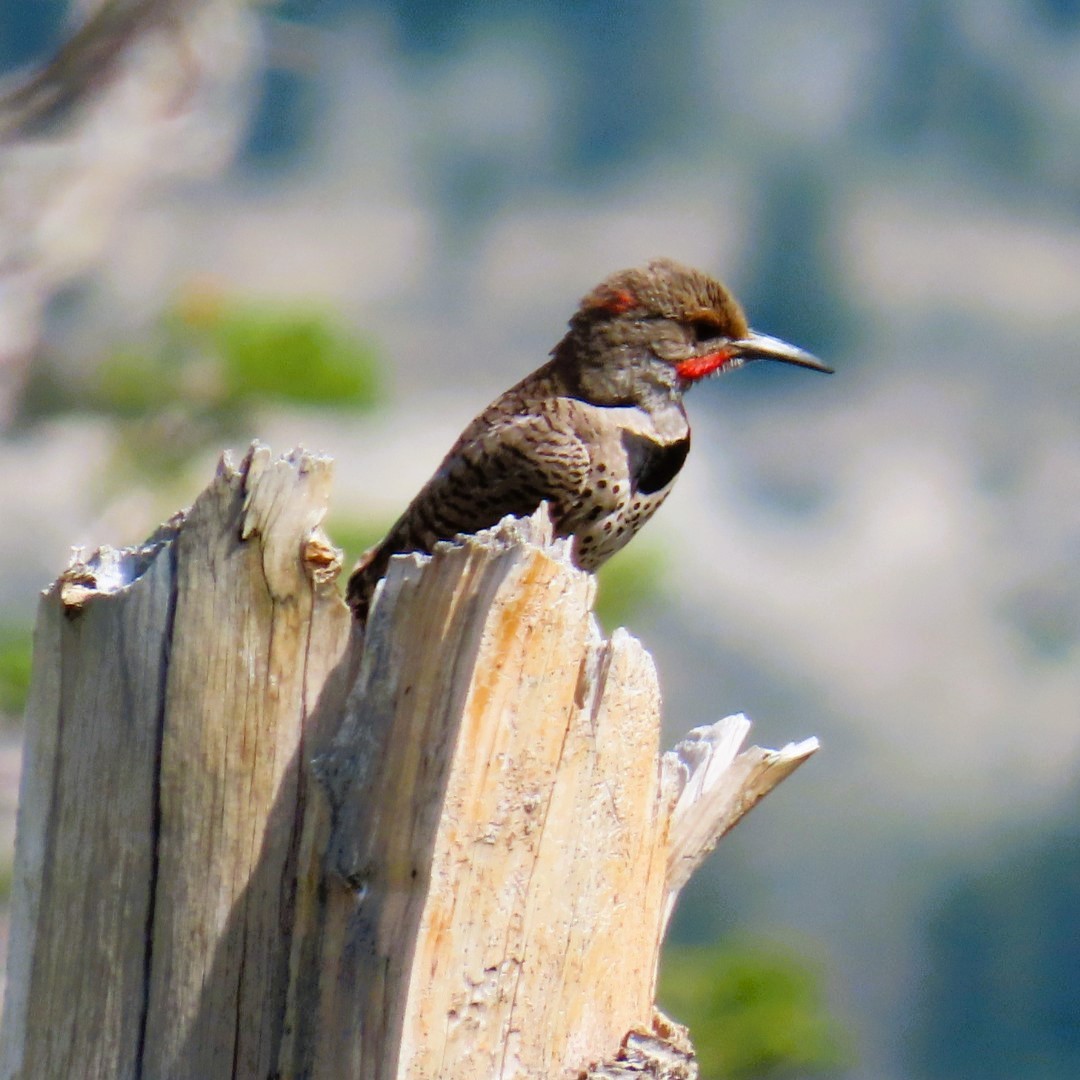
144,89
83,62
722,786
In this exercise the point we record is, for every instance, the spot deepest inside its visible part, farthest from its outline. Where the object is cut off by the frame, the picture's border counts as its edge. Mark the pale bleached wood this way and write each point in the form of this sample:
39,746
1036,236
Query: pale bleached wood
231,765
476,885
498,861
174,685
85,841
718,787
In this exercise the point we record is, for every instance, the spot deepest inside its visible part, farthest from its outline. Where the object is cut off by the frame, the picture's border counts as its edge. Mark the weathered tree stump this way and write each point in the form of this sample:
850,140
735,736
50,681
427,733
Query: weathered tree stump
254,841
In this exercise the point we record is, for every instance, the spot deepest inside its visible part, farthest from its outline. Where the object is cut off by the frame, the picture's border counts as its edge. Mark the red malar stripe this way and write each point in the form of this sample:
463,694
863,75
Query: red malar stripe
697,367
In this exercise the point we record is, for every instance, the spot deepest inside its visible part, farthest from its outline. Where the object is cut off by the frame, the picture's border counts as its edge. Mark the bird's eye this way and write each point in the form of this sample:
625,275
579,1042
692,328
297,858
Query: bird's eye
705,330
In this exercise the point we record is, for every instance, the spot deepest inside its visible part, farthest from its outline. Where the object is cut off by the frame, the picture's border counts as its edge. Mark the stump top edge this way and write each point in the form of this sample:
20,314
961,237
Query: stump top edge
259,456
109,571
535,533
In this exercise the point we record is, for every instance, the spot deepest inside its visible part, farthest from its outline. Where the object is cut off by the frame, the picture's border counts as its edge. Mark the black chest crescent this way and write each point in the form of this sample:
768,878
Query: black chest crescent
653,465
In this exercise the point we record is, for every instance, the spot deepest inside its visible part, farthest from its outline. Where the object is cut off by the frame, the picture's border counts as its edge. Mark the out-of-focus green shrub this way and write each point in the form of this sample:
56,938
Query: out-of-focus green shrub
202,373
628,582
354,536
754,1012
16,648
294,357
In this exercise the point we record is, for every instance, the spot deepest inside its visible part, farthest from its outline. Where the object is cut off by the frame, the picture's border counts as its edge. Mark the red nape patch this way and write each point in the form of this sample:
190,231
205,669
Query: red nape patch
617,301
697,367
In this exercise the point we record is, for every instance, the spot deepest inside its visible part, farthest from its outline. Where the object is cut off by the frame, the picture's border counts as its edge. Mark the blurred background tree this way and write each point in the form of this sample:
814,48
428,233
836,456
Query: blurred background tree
1002,984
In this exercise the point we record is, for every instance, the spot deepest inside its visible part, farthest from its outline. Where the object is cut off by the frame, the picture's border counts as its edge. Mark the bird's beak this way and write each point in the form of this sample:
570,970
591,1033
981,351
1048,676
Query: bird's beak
762,347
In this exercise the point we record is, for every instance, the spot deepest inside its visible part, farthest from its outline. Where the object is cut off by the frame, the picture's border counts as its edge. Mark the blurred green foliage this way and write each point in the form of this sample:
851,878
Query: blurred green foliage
291,357
754,1012
628,582
16,649
203,372
354,536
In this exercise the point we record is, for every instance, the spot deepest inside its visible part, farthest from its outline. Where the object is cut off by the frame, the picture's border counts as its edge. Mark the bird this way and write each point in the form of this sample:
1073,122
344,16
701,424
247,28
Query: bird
600,431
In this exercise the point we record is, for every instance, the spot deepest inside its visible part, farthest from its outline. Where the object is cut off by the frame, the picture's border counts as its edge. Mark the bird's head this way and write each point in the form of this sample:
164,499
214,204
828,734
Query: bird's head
656,330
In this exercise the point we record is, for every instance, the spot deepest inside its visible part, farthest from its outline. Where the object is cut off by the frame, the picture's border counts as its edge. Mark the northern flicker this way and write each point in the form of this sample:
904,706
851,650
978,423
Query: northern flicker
599,431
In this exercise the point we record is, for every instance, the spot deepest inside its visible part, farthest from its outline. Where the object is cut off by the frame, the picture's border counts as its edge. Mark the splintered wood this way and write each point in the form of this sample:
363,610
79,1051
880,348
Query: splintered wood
255,841
509,821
